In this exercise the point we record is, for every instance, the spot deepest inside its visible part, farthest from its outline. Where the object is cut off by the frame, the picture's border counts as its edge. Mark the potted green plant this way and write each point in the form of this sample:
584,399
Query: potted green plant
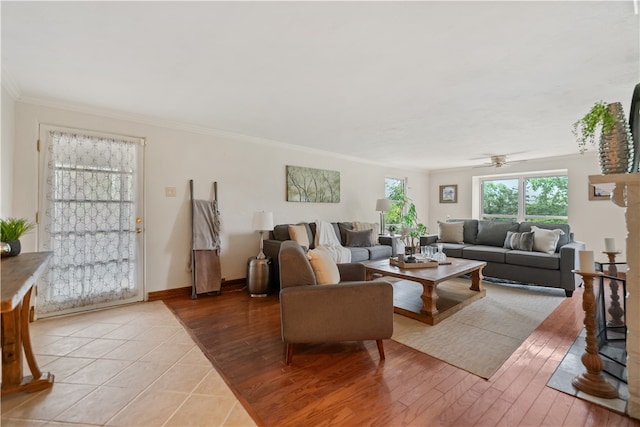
600,117
392,229
616,143
412,229
11,229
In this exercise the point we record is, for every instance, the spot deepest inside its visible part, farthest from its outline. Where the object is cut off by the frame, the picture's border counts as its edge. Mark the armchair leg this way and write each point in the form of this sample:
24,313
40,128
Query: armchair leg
289,354
380,349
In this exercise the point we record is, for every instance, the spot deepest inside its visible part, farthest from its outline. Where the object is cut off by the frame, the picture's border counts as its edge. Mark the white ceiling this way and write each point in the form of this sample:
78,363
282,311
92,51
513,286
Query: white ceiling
426,85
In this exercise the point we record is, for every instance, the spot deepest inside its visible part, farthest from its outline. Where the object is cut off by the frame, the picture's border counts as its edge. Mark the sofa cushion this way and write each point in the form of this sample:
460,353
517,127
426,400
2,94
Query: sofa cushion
379,252
344,227
359,239
281,232
299,234
453,249
470,229
534,259
450,232
359,254
485,253
519,241
493,233
324,267
373,228
546,240
564,239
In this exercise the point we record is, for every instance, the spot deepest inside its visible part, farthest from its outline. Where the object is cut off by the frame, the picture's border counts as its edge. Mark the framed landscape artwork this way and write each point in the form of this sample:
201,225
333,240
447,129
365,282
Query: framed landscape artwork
598,192
448,194
312,185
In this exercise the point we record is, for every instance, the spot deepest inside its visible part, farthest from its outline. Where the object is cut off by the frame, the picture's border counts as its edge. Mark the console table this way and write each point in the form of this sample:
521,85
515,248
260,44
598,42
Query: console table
19,274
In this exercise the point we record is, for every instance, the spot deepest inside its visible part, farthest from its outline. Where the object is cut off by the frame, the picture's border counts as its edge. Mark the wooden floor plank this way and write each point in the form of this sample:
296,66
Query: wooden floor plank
347,384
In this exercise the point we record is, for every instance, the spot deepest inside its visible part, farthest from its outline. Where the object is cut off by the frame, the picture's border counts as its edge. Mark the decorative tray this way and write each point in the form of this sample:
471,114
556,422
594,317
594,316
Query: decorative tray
418,264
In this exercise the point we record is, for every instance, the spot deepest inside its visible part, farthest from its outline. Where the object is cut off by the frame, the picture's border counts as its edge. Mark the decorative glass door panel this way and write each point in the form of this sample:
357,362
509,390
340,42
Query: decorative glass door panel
90,218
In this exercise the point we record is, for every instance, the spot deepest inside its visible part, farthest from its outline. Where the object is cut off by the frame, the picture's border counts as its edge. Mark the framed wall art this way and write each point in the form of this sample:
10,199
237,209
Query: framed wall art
449,193
312,185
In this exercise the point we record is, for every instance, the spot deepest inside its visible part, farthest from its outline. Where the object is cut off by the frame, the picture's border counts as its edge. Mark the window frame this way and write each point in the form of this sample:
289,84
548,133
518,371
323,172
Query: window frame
388,196
521,178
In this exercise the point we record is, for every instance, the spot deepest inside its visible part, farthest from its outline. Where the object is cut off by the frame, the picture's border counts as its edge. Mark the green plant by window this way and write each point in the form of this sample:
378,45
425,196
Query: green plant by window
14,228
598,117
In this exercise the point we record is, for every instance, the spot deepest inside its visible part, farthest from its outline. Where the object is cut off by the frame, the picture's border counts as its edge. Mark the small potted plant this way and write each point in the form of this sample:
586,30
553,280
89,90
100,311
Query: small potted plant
585,129
392,229
11,229
616,143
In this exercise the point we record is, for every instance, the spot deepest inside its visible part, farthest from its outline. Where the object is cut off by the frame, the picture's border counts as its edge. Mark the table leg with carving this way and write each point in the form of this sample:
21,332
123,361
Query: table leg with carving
15,338
429,298
476,280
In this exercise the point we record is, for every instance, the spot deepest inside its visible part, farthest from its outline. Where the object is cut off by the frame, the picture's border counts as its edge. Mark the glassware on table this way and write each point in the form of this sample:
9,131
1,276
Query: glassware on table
440,256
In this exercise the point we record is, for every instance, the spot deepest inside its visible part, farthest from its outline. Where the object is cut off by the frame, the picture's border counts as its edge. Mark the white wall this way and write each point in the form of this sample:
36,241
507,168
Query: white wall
591,221
250,176
6,154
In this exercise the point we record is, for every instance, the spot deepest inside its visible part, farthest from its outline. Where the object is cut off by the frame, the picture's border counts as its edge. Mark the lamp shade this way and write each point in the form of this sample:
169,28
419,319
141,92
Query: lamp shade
383,205
263,221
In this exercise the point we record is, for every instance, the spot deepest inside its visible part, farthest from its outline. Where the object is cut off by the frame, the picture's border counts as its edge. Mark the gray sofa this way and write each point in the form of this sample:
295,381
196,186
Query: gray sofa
280,233
485,241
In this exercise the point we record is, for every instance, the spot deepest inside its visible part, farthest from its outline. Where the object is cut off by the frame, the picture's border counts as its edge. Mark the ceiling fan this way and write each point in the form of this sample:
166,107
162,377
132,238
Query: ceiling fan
499,161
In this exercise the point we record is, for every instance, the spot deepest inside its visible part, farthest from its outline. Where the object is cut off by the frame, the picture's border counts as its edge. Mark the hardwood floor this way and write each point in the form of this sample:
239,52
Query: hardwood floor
346,384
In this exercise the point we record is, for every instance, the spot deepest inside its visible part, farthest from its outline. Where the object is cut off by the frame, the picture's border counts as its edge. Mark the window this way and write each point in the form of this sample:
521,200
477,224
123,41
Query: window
394,190
536,198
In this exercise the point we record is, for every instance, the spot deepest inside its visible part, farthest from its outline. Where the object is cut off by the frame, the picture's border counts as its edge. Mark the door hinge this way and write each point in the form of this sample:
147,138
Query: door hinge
37,217
38,146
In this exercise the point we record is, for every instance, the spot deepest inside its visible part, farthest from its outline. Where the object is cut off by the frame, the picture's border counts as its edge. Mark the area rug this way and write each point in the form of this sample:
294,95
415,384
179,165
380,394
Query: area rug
482,336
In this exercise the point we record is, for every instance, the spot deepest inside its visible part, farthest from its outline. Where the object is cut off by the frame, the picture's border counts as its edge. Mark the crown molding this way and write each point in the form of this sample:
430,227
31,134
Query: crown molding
10,85
186,127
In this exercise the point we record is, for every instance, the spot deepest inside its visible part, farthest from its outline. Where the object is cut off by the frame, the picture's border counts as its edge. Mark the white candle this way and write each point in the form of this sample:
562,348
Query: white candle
587,264
609,244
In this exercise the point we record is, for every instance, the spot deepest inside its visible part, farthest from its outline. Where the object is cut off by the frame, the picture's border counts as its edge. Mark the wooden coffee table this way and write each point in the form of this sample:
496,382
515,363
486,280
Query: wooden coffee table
429,278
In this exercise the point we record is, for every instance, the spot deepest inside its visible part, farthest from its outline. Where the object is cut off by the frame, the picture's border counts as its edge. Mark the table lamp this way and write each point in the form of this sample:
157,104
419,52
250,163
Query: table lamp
262,221
382,205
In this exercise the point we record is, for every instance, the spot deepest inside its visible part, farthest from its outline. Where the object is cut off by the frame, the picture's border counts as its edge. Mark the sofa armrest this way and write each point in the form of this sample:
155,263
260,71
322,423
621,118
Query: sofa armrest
271,248
429,239
352,272
344,312
569,260
397,247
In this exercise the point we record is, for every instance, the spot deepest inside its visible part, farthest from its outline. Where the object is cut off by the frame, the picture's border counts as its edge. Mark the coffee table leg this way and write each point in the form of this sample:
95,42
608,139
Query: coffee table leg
429,299
476,280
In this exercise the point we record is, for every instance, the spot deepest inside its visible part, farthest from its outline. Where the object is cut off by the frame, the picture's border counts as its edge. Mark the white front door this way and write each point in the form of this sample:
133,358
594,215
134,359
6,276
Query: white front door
90,217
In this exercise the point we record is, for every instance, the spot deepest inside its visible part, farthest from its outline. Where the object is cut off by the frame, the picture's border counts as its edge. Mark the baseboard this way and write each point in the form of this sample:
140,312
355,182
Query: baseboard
186,290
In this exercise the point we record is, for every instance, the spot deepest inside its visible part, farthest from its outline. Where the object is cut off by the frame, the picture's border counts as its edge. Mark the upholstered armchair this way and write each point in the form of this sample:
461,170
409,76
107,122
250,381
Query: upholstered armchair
350,310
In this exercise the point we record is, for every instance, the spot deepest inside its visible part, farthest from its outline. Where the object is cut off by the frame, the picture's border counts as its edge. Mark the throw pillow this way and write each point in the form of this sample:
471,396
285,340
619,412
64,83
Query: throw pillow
519,241
358,239
372,226
299,234
324,267
493,233
450,232
545,240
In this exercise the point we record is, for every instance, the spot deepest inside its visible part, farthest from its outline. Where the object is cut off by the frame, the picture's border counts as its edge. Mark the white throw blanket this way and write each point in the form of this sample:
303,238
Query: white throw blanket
327,239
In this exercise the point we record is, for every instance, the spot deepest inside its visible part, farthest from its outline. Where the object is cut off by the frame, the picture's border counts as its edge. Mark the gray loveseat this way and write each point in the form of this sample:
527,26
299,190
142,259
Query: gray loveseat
345,234
485,241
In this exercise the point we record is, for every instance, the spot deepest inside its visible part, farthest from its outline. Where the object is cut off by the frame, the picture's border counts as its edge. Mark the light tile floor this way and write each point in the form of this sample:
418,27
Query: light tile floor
133,365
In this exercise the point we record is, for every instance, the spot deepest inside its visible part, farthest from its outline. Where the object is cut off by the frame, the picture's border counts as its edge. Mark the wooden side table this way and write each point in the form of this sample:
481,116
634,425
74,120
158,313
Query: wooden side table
19,274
